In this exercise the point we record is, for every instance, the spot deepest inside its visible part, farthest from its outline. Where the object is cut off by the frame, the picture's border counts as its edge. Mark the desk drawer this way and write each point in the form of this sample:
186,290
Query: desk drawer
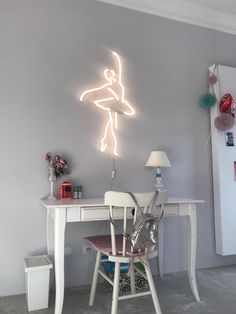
171,210
102,213
73,214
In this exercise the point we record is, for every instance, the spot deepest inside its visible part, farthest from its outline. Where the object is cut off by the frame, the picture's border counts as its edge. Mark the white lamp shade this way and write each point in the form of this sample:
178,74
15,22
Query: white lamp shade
158,159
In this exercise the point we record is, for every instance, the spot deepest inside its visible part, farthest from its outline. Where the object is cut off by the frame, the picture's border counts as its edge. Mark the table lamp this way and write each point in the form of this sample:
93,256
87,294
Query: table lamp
158,160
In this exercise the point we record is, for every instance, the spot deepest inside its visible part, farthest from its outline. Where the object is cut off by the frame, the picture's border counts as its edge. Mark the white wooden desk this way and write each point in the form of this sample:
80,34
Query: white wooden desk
93,209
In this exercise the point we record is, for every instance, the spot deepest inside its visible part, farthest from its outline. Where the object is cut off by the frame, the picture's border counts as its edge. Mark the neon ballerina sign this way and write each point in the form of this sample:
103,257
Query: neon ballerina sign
110,97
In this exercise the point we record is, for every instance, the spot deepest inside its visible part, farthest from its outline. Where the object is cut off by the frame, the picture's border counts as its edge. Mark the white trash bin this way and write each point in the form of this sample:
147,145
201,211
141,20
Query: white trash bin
37,271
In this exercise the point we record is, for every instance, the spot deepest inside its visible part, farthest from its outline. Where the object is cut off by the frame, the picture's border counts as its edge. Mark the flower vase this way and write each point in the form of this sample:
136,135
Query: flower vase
51,179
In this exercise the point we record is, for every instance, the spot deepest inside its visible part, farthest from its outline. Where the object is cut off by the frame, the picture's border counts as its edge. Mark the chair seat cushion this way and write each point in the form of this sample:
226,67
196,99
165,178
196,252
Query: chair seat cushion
102,243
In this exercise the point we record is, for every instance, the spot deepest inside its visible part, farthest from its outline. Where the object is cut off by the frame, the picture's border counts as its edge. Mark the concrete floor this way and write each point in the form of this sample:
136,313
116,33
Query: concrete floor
217,289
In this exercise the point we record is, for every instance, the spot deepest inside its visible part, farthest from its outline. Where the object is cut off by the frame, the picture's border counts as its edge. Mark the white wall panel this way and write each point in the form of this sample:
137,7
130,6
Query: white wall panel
223,168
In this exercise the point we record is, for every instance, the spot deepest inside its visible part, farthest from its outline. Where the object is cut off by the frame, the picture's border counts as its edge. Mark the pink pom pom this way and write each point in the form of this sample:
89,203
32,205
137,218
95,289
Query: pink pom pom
224,121
212,79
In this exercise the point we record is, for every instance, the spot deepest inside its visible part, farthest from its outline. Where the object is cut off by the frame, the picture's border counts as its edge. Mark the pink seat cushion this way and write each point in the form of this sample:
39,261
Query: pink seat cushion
102,243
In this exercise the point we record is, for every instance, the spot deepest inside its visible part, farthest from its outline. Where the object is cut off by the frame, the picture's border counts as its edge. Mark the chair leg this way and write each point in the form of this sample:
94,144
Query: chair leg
152,288
132,279
115,288
95,279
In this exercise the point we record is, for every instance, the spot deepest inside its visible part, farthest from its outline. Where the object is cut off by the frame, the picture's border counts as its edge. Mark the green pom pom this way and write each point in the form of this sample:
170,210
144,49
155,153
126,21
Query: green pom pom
207,101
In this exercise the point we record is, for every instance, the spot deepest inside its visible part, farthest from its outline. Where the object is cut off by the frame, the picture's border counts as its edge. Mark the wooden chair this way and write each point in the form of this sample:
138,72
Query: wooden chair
117,250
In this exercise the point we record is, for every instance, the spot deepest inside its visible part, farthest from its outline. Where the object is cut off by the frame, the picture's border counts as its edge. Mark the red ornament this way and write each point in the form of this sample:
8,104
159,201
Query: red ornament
225,103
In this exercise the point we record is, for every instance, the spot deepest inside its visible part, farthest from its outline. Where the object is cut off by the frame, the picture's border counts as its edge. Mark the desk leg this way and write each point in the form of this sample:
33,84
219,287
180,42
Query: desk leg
59,240
50,233
161,247
192,250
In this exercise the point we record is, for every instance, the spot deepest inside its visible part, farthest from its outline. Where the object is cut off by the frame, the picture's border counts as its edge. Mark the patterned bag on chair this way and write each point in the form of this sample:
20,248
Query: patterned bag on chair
145,230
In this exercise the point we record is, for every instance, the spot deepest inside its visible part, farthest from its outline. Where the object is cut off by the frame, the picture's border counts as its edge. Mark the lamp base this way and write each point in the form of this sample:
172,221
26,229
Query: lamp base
51,197
159,186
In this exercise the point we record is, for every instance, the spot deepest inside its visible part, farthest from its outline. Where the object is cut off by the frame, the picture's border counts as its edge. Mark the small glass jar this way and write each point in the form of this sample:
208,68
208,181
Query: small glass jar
80,191
77,192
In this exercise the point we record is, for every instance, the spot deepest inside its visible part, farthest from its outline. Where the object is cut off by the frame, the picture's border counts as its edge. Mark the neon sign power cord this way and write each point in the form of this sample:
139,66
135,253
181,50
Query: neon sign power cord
113,173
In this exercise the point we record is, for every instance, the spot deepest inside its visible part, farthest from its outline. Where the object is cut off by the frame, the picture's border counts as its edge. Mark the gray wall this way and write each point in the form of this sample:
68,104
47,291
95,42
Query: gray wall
50,51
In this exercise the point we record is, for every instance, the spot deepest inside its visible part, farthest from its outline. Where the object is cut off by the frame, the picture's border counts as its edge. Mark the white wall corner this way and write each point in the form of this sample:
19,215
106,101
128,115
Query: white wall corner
181,10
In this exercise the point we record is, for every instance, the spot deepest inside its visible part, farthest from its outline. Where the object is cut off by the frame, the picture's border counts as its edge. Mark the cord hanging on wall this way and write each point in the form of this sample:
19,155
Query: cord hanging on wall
113,173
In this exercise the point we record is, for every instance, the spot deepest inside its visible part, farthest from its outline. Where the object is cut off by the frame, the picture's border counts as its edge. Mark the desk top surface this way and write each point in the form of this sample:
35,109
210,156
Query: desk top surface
99,202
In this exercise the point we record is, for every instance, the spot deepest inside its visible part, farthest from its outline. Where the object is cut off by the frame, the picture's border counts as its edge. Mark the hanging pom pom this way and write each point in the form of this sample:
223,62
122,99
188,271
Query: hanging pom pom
212,79
233,109
224,121
207,100
226,102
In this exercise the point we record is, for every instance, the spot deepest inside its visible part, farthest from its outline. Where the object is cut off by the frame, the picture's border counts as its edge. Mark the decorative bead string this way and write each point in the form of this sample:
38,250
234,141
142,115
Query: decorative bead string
211,86
226,103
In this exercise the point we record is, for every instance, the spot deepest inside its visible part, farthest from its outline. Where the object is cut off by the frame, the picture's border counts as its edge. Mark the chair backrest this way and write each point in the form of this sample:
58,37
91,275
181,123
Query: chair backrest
123,200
